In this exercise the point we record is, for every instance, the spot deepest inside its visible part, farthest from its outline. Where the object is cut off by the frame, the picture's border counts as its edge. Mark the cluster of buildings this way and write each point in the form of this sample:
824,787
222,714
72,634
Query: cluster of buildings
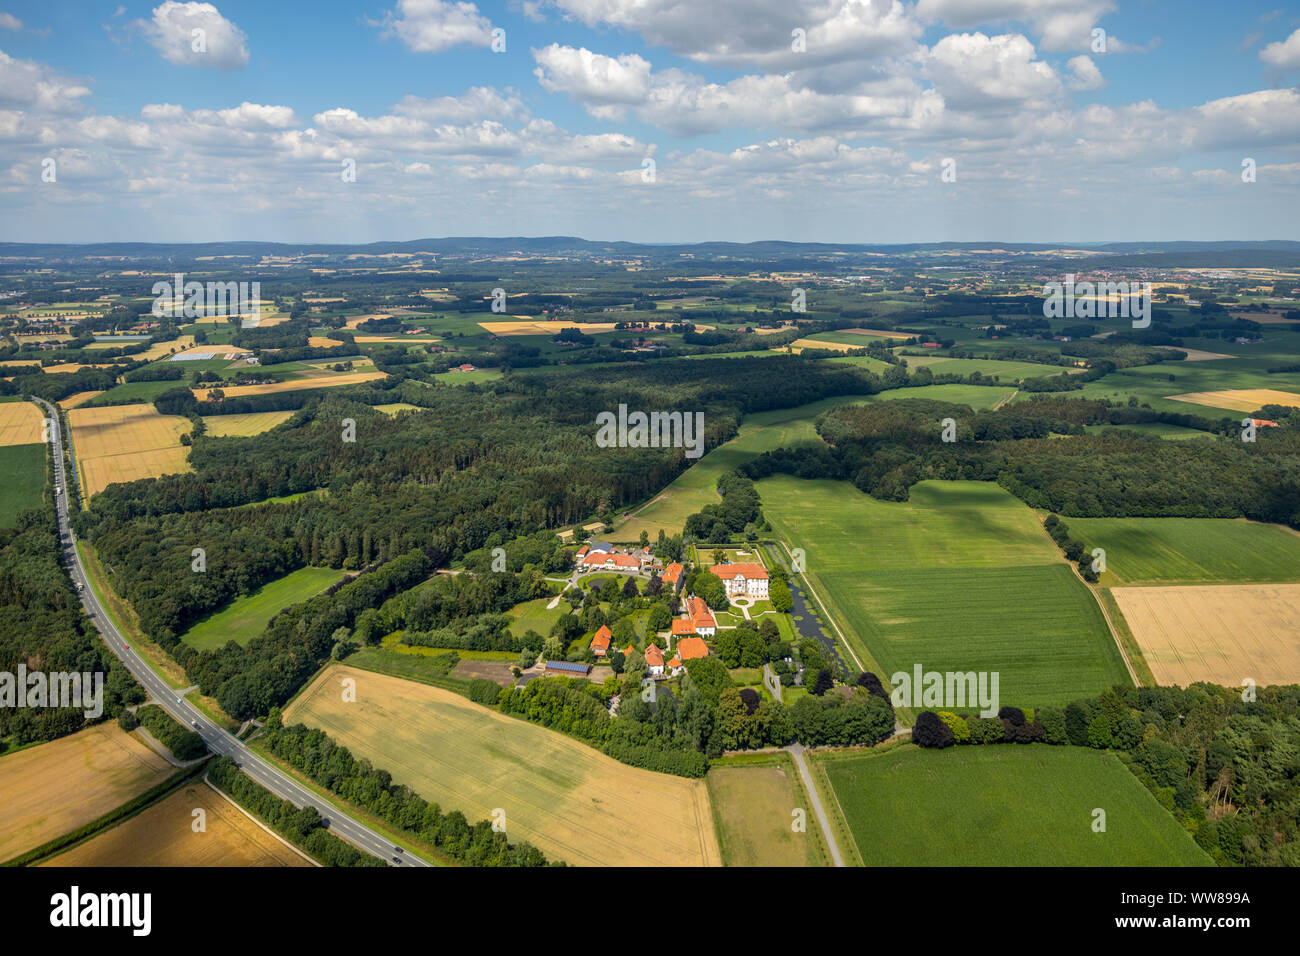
688,632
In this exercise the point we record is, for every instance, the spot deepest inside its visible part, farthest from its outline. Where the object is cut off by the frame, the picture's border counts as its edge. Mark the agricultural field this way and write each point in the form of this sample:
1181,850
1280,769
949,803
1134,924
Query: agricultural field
103,765
23,467
247,617
20,424
395,407
1004,806
1006,371
317,380
930,581
1221,634
1190,550
162,835
476,377
753,807
526,326
79,398
569,800
241,426
124,442
1240,399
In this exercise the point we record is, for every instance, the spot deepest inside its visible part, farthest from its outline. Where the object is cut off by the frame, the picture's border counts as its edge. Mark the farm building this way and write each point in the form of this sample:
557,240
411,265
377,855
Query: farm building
568,668
600,643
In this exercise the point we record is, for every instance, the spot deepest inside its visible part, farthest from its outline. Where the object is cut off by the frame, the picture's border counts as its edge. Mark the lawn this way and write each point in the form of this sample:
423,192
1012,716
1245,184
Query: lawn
960,578
533,615
246,617
1004,806
1190,550
569,800
24,469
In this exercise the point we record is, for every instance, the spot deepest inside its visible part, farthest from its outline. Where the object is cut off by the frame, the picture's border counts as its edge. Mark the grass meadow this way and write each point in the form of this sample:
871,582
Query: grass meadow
1004,806
245,618
1190,550
24,469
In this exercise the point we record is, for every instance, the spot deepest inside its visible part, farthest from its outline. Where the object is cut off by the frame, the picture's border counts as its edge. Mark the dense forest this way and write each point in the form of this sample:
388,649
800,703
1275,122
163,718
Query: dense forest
42,627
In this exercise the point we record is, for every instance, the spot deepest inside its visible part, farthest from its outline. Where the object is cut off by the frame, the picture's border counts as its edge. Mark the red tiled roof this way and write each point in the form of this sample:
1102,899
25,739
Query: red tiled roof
653,656
728,571
630,648
600,643
701,616
689,648
682,625
673,572
600,558
674,663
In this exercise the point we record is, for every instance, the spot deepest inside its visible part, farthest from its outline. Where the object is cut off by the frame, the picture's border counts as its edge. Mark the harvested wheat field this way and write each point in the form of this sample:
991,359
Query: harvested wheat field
356,320
528,326
125,442
20,424
154,352
241,426
1199,355
79,398
1240,399
163,835
798,345
879,333
323,380
570,801
56,787
1221,634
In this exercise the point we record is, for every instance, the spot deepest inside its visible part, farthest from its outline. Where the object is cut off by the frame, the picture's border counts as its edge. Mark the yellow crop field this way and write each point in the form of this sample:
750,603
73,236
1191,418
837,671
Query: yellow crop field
254,423
356,320
125,442
20,424
154,352
324,380
798,345
527,326
1221,634
880,333
570,801
1240,399
79,398
163,835
50,789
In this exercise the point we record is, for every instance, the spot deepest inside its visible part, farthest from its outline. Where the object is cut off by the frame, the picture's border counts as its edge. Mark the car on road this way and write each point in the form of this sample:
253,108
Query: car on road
397,860
195,723
399,849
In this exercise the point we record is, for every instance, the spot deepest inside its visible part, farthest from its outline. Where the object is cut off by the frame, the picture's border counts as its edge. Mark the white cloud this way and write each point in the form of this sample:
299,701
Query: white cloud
431,26
603,83
974,71
196,34
1285,54
10,22
28,84
1086,76
1059,24
478,102
757,33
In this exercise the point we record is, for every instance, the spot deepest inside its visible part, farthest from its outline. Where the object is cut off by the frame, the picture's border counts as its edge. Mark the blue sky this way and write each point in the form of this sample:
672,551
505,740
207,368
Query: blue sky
1049,137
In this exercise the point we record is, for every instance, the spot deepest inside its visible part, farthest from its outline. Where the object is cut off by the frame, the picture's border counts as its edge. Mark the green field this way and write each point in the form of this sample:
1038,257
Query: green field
24,469
1158,429
753,800
1190,550
533,615
1004,806
960,578
245,618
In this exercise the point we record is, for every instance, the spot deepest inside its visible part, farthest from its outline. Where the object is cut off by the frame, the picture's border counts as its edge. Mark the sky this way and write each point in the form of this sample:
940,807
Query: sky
650,120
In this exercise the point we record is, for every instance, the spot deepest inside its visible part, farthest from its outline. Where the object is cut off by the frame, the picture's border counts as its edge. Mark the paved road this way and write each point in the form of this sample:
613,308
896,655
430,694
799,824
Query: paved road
216,737
796,751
